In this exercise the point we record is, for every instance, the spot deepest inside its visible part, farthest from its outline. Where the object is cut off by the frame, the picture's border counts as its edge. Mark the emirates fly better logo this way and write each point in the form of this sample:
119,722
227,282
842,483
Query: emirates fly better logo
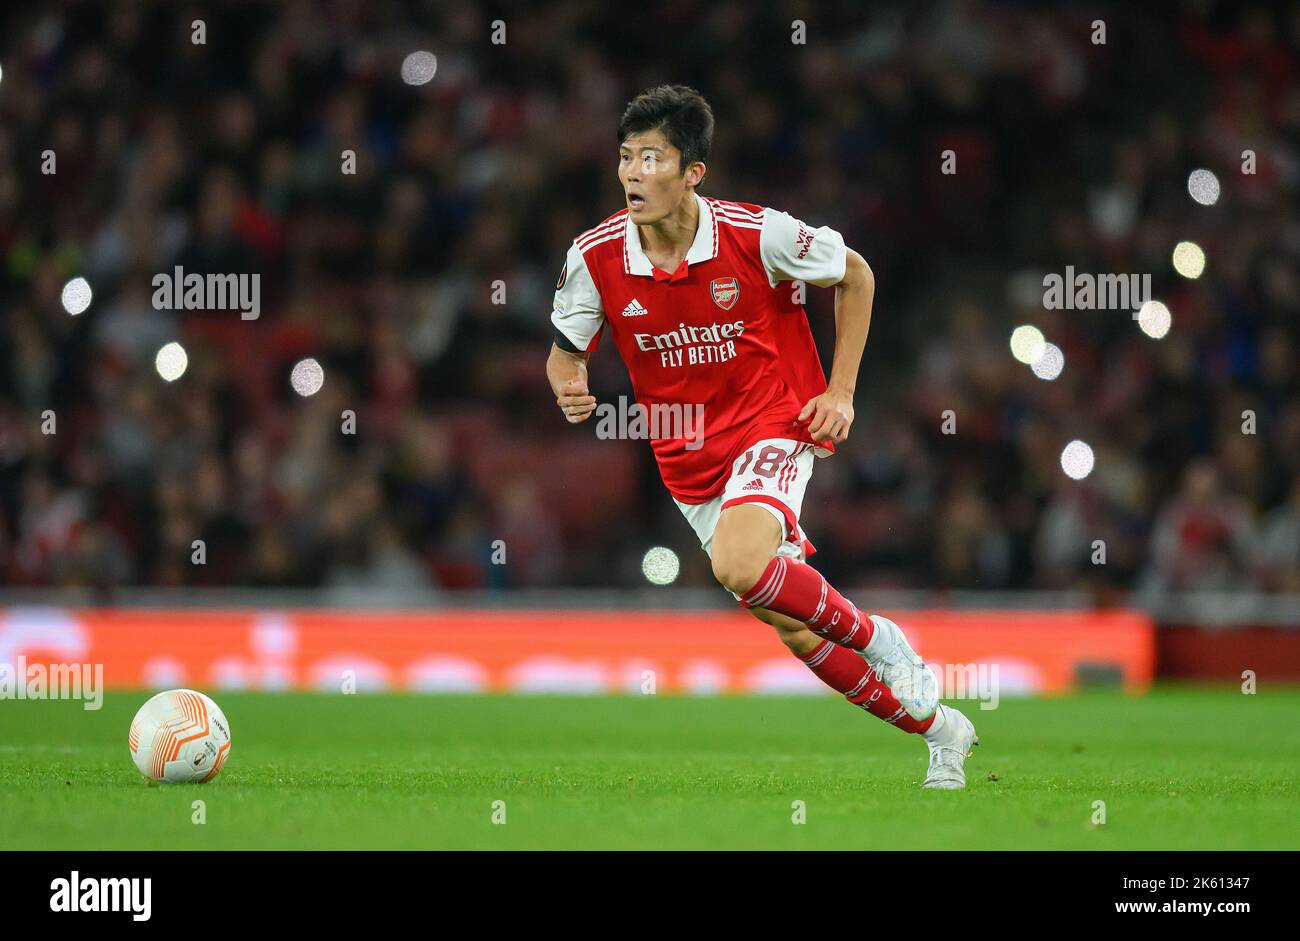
691,345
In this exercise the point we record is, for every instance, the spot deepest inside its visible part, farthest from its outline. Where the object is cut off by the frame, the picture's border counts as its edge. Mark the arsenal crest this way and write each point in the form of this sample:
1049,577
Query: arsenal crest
725,291
563,275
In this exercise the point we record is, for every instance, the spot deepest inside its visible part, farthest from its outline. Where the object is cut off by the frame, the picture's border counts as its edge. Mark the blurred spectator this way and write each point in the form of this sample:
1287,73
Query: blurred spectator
1280,545
1203,538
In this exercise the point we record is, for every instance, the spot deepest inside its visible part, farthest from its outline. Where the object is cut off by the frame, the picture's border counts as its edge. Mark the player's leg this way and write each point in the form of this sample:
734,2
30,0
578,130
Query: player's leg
948,734
744,547
868,659
771,478
794,634
843,670
746,563
795,589
761,531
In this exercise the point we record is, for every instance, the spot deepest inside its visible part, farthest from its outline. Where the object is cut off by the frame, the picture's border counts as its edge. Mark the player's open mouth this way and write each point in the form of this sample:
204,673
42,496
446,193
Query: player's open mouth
636,202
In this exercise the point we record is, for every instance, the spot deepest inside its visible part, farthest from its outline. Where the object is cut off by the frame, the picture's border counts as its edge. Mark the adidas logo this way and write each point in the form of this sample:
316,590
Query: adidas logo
754,484
634,309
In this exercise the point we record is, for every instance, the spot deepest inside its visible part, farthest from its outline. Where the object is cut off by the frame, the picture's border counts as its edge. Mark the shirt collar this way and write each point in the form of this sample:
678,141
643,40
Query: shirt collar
703,248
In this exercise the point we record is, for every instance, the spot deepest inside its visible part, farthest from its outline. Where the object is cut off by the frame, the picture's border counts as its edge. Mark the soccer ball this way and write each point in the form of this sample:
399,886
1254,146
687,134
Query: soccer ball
180,736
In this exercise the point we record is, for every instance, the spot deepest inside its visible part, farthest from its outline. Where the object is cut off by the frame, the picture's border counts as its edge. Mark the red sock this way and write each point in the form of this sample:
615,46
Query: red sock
798,591
847,673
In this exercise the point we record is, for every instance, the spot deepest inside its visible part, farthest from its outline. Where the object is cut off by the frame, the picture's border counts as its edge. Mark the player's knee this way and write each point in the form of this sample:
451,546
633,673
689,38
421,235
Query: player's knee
738,572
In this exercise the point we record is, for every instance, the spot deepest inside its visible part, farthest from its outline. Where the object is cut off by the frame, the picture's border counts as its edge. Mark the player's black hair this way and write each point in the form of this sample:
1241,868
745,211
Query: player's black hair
680,112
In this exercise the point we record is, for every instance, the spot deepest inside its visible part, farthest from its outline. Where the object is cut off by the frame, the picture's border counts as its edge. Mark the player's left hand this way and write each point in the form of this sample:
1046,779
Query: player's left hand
831,414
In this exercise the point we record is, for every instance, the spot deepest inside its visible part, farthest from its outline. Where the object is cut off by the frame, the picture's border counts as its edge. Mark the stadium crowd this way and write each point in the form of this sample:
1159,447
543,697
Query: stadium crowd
422,284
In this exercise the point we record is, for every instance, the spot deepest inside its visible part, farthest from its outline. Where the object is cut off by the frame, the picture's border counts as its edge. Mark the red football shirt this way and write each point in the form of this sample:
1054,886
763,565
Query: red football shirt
721,337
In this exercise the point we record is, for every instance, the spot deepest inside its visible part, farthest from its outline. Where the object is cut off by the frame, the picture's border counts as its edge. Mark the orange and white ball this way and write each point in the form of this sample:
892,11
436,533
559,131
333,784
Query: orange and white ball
179,736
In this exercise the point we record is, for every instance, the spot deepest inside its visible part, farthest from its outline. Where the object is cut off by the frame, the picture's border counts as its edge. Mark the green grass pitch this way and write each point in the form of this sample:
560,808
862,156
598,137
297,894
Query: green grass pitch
1181,768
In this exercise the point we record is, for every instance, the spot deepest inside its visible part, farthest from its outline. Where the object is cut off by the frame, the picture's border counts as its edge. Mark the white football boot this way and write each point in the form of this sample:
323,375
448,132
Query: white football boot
913,683
950,738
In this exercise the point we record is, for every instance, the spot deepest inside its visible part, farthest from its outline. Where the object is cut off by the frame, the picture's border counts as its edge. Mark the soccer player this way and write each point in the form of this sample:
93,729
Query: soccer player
696,293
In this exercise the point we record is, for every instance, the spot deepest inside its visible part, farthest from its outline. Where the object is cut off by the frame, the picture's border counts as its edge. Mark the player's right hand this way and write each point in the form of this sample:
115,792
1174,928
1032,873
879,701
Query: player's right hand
574,401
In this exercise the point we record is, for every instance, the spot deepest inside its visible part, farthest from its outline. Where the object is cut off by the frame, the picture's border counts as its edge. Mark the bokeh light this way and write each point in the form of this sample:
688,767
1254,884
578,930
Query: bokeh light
1077,460
1203,187
76,296
1189,259
1154,319
171,361
419,67
660,566
1027,343
307,377
1049,363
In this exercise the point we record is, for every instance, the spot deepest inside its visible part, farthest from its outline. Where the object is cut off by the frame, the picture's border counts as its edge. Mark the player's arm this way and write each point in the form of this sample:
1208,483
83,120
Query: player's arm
578,316
832,411
568,375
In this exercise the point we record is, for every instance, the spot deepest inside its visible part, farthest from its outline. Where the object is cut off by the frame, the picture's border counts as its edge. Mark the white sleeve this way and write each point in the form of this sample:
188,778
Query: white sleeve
794,252
577,311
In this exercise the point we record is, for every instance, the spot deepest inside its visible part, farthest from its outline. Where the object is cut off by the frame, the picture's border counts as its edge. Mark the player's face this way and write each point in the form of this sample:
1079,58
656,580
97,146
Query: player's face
650,170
